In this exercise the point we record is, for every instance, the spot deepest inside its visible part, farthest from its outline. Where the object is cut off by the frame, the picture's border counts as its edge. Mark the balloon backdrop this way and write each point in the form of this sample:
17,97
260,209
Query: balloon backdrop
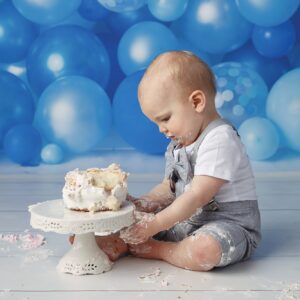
52,154
132,125
23,144
75,113
283,107
47,11
260,137
122,5
274,41
241,92
72,57
141,43
16,33
16,103
66,50
267,12
214,26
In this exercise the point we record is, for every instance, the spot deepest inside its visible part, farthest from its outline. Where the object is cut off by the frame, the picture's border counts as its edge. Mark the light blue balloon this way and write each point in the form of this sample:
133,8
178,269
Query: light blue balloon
241,92
283,107
167,10
46,11
66,50
214,26
268,68
267,12
16,103
260,137
274,41
130,122
141,43
75,113
16,33
52,154
120,6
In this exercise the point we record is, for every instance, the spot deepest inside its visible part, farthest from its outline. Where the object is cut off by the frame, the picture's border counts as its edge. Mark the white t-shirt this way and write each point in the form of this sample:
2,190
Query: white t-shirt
222,155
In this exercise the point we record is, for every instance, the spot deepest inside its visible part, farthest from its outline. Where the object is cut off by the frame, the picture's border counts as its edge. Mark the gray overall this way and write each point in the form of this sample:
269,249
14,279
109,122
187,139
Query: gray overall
236,224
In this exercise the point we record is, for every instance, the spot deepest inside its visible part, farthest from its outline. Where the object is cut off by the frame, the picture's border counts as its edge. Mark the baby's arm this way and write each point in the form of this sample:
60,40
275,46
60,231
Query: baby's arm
156,200
203,189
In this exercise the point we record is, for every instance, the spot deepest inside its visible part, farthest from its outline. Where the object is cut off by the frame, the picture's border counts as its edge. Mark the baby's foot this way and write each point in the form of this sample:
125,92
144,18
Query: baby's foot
112,245
151,249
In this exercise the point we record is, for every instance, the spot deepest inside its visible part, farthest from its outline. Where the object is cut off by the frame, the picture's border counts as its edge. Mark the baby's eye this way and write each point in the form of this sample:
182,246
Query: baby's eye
166,119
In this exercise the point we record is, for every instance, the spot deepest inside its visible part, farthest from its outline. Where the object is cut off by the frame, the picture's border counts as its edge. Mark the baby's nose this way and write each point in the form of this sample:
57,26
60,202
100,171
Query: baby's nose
162,129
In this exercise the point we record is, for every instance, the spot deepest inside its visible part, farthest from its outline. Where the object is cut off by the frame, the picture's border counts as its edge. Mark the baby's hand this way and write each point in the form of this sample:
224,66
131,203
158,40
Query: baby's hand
139,232
143,205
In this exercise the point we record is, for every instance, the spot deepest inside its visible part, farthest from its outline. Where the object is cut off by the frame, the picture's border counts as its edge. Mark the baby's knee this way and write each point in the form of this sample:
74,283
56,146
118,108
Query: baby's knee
206,252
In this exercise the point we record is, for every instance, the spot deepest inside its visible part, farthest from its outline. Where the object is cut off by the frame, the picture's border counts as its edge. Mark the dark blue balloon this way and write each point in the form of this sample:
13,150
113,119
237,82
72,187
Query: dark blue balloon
132,125
120,22
66,50
16,33
23,144
16,103
274,41
269,69
92,10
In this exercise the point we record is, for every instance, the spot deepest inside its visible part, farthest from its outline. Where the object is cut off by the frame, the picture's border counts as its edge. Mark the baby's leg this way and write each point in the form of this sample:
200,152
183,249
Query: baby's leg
112,245
198,253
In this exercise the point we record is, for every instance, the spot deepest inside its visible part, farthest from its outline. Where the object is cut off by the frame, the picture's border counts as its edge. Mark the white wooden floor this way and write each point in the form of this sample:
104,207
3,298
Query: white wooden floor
273,273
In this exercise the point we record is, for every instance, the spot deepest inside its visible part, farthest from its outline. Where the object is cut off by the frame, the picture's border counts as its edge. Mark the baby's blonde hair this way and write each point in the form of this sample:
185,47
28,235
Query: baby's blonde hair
184,69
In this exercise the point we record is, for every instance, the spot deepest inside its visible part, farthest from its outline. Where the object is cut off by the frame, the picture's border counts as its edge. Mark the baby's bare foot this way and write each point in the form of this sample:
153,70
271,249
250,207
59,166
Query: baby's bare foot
112,245
151,249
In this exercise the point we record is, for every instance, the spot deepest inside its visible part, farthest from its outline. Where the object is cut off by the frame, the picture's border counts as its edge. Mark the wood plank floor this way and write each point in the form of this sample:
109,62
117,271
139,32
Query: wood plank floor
273,272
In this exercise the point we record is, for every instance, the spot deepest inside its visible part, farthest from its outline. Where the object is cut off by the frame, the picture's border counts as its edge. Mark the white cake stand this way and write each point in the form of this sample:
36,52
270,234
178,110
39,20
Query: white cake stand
84,257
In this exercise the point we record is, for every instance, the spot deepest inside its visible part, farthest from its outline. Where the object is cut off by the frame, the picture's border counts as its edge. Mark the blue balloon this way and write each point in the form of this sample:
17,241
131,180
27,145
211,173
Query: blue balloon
214,26
75,113
52,154
120,6
46,11
66,50
269,69
296,21
241,92
22,144
111,44
16,33
274,41
16,104
120,22
260,137
92,10
131,124
167,10
141,43
294,56
267,12
283,107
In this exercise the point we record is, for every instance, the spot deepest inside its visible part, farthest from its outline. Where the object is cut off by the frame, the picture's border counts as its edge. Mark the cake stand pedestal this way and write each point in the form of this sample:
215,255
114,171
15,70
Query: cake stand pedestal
84,257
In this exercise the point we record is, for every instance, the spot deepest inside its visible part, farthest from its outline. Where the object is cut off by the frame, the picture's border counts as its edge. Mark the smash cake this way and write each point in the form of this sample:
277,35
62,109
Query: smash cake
95,189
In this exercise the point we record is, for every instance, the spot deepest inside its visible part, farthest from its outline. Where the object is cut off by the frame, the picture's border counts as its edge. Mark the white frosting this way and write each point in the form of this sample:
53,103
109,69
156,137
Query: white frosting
95,189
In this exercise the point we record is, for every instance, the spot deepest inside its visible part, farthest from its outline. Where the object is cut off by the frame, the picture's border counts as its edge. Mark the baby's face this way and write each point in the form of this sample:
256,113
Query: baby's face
176,117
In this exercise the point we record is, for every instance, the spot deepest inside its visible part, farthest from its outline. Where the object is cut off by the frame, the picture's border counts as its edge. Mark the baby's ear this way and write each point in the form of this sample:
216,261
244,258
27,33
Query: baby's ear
198,100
